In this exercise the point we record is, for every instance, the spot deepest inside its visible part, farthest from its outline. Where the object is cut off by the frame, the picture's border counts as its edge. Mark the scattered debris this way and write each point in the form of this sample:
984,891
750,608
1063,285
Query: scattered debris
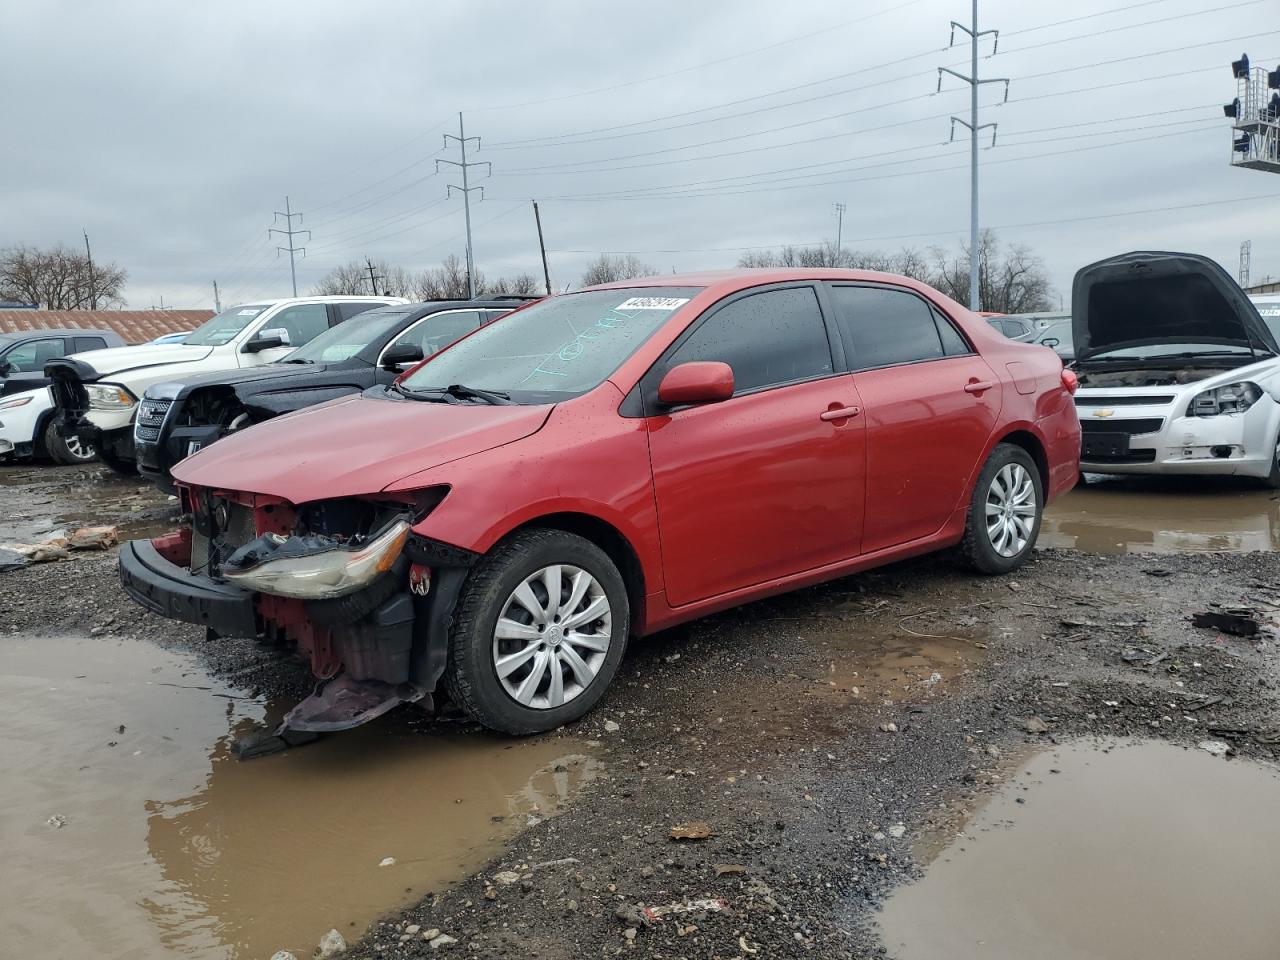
387,862
1240,622
57,821
888,728
283,955
697,830
1201,704
94,538
1034,725
632,915
12,559
708,904
897,831
506,877
725,869
331,945
1216,747
444,940
611,726
549,864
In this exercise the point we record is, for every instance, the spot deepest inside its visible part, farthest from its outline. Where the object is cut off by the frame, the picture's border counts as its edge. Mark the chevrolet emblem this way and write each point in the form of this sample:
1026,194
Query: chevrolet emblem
1104,413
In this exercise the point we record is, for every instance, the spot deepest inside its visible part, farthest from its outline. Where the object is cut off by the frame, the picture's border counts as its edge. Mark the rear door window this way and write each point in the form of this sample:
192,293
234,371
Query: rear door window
301,322
348,310
882,327
767,338
89,343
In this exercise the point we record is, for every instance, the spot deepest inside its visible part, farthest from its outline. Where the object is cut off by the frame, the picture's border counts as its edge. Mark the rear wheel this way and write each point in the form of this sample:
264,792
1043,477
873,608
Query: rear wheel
66,450
539,633
1004,513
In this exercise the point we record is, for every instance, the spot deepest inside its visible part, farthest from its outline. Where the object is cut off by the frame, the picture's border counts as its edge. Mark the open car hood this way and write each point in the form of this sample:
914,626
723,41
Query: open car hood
354,445
1152,298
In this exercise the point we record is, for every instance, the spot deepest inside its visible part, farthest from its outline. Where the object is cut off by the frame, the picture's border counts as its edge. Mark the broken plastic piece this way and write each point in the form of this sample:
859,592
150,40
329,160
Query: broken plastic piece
345,702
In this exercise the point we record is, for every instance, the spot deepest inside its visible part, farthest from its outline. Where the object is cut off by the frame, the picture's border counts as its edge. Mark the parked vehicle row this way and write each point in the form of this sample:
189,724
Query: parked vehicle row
501,518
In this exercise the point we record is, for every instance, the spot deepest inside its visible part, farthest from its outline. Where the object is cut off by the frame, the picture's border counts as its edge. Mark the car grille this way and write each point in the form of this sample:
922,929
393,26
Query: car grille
1125,400
151,414
1108,425
1133,456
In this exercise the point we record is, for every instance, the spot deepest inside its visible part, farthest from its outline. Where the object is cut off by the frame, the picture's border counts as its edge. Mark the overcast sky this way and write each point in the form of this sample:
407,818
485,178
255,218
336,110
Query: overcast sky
680,131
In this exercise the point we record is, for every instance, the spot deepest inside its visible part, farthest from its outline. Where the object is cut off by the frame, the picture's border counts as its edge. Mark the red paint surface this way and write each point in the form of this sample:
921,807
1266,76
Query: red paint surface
720,503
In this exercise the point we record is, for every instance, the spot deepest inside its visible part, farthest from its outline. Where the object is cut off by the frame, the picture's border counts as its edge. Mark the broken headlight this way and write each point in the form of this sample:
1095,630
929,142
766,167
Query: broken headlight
109,396
317,567
1233,398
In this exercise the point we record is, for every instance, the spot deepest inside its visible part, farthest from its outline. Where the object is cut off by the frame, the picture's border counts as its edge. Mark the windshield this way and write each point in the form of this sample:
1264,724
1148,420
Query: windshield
225,326
351,336
556,349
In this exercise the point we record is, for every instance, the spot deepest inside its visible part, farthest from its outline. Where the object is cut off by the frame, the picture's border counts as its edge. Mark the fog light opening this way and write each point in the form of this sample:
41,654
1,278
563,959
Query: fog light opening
1221,451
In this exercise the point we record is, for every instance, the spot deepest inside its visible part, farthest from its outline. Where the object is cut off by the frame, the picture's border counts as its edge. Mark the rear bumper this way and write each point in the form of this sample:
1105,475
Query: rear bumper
175,592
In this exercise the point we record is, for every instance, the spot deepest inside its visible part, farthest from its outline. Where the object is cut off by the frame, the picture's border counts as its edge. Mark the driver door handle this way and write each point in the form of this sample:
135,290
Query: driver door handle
839,413
978,386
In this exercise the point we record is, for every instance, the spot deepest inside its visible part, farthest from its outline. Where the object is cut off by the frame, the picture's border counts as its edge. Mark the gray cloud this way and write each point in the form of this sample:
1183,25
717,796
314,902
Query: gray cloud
172,131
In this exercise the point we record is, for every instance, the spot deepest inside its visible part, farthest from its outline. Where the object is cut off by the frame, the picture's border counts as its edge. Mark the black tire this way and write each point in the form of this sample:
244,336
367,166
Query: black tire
1272,480
471,677
60,451
976,548
118,465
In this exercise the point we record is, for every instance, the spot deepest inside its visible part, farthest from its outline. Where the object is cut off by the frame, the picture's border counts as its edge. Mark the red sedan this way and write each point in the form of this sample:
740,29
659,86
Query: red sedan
605,464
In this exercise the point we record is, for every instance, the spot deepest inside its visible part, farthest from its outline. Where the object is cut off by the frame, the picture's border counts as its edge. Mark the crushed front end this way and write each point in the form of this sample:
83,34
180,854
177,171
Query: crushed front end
345,583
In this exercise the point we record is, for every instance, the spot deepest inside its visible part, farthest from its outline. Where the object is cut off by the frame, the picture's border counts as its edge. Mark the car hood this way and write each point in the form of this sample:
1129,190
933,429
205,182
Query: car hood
354,445
271,372
1150,298
116,360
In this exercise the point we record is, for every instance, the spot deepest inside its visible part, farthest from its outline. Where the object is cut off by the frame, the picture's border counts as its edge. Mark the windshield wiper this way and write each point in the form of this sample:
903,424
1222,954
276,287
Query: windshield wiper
428,396
297,360
475,393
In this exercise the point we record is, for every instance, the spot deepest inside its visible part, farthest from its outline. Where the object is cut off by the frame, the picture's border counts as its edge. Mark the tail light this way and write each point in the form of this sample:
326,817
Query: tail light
1070,380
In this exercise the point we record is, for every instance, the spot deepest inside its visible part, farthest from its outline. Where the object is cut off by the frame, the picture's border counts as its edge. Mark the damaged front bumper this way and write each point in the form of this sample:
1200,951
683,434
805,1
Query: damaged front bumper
1147,440
373,641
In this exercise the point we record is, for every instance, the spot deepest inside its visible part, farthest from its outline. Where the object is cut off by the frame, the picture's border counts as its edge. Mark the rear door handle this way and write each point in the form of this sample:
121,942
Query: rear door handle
839,413
978,386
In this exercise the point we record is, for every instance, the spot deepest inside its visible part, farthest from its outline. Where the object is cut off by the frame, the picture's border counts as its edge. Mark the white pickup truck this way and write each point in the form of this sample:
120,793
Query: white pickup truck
97,392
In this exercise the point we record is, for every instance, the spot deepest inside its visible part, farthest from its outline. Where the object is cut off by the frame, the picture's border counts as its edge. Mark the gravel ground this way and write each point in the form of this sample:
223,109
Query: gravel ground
829,741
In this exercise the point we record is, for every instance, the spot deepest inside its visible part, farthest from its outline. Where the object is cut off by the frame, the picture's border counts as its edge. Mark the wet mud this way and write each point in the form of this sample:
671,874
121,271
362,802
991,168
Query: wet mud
39,501
132,831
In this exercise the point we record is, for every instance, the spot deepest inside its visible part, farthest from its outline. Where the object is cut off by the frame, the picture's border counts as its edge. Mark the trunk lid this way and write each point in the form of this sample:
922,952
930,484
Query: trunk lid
354,445
1150,298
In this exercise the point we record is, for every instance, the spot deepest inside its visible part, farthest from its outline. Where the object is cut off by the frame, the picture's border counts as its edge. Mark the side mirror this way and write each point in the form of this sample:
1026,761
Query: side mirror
699,381
268,338
400,354
5,368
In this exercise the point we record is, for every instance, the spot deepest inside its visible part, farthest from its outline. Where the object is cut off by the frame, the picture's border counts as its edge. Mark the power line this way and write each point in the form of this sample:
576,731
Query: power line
940,233
699,66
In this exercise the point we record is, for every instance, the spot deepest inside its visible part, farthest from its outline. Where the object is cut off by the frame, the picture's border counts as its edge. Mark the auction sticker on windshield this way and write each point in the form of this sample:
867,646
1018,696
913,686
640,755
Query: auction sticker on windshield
652,303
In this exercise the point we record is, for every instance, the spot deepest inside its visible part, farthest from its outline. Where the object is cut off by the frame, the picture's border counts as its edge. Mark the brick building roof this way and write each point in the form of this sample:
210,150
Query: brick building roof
135,326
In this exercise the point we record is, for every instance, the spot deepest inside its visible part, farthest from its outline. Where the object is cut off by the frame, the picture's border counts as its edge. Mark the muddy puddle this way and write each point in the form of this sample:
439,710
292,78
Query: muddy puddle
1163,515
1134,850
128,829
38,501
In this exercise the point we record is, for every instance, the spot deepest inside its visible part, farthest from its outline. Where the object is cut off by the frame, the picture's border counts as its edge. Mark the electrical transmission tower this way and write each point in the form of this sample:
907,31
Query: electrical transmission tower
972,124
465,189
839,231
290,233
1246,254
373,277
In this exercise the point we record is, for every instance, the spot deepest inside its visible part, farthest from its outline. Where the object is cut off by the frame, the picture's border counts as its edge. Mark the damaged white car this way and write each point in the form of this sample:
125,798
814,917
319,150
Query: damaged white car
1179,372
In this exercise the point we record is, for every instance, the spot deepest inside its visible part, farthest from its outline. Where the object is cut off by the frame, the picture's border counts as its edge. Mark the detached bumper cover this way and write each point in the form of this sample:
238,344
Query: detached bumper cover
175,592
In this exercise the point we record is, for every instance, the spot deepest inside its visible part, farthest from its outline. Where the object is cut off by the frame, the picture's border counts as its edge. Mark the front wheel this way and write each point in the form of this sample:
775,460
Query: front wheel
1004,512
68,450
540,630
1272,480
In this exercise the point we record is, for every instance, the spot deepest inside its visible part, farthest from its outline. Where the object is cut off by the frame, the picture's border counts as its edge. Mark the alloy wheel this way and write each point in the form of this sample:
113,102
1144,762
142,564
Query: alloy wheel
552,636
79,450
1011,509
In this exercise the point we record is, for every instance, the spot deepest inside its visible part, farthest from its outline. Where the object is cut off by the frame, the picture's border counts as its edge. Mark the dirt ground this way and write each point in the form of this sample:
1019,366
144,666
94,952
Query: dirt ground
825,745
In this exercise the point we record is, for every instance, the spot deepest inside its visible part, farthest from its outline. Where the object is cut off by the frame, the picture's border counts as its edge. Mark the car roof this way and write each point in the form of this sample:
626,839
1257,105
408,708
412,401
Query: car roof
724,282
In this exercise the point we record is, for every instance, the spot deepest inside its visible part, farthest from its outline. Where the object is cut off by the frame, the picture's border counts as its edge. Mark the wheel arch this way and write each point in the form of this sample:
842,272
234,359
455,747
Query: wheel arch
1034,447
39,448
609,539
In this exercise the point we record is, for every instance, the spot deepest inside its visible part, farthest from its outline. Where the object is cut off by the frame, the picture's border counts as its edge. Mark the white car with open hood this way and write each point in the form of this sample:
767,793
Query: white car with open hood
1179,372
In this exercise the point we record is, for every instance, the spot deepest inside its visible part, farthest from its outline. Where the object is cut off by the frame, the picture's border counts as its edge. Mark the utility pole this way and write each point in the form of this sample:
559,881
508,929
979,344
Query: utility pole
217,303
542,248
973,125
373,278
839,232
290,233
1246,252
93,286
465,189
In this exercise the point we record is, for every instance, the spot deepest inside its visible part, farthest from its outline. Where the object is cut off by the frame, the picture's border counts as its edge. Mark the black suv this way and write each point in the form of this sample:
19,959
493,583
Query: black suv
177,418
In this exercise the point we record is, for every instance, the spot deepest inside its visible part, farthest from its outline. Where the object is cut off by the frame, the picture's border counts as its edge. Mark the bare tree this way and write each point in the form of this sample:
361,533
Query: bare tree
608,268
59,279
908,262
445,282
353,279
522,284
1013,282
